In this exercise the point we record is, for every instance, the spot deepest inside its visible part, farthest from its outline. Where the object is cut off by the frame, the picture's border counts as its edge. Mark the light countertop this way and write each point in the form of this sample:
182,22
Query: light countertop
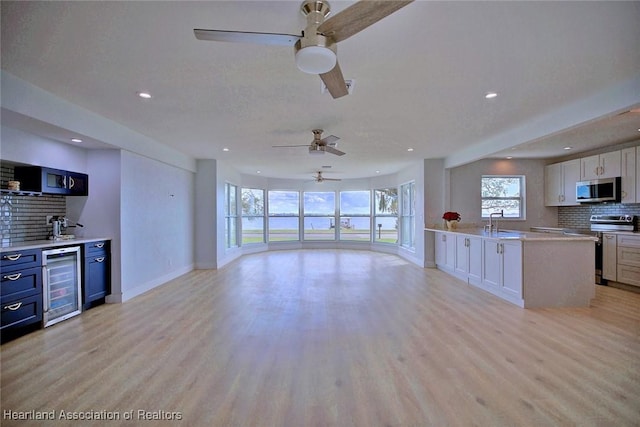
516,234
41,244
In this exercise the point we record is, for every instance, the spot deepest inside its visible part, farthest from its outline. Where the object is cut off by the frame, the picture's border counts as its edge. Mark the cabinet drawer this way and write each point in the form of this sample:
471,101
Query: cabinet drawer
628,240
98,248
17,260
629,274
21,312
629,256
20,284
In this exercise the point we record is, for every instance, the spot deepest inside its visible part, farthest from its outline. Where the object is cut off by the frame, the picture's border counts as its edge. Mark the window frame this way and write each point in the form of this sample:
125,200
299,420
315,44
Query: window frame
231,215
259,217
377,231
347,236
296,215
407,215
522,216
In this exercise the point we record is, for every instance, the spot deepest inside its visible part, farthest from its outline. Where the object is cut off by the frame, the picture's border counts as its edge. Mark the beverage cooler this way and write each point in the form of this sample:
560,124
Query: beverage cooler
61,279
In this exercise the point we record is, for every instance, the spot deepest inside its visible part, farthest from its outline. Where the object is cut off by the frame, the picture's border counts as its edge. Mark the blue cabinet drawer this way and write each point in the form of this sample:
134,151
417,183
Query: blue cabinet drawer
21,312
20,284
98,248
18,260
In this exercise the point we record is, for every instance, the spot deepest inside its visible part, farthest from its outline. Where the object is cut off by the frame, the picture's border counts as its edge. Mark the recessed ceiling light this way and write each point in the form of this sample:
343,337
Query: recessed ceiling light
377,171
568,148
258,172
144,95
491,95
76,140
409,149
509,157
225,149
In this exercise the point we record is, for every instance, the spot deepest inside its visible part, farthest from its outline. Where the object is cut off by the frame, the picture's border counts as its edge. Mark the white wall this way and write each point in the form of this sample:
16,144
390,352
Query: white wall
157,223
465,197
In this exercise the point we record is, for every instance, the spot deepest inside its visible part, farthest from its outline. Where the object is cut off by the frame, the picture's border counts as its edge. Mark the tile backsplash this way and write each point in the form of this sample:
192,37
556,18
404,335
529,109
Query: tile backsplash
23,218
578,216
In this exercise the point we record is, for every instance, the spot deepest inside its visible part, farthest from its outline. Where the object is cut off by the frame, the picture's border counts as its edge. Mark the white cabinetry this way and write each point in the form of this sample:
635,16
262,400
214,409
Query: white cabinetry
468,260
445,251
628,259
606,165
560,183
609,256
502,269
628,174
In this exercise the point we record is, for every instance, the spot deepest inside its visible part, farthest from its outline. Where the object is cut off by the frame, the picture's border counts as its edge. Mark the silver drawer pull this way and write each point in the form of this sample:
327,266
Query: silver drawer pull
14,257
99,245
12,276
13,307
100,259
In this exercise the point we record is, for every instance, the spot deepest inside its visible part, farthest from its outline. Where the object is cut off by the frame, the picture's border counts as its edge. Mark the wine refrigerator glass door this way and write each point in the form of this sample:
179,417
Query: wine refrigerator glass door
61,284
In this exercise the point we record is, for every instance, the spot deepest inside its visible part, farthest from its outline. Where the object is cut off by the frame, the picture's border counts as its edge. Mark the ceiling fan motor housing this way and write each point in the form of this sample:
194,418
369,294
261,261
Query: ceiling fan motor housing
315,53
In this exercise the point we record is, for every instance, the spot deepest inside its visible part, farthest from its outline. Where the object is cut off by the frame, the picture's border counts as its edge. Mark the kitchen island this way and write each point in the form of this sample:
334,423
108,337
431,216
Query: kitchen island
529,269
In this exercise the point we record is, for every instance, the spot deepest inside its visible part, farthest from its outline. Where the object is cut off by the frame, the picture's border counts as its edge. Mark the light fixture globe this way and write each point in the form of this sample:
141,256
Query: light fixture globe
315,59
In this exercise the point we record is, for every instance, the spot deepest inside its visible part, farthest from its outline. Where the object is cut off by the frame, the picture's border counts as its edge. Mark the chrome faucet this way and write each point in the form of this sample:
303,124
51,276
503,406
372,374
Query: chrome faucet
489,227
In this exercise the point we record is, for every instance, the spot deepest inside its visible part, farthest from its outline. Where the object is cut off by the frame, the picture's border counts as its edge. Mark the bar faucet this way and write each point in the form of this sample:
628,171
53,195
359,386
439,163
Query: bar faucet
491,226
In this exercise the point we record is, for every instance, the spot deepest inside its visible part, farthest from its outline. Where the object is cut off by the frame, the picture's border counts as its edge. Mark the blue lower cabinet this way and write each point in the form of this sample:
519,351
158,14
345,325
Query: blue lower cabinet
97,274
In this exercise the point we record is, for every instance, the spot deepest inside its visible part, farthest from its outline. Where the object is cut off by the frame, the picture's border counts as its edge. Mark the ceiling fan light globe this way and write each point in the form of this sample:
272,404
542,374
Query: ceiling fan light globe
315,59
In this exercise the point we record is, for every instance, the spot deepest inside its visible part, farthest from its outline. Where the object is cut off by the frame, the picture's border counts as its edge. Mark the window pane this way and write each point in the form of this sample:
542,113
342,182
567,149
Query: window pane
232,200
386,229
500,187
355,203
386,201
510,207
355,228
319,228
252,201
319,203
283,203
283,228
231,237
252,229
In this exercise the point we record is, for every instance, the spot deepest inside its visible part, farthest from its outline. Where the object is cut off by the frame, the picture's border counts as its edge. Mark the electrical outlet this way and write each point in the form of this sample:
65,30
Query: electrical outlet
49,218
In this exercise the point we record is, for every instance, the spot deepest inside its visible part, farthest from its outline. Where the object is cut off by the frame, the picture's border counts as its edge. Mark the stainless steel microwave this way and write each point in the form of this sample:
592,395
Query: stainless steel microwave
598,190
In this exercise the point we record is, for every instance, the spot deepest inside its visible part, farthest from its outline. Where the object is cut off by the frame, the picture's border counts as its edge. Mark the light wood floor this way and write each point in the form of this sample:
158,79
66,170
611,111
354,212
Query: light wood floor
333,338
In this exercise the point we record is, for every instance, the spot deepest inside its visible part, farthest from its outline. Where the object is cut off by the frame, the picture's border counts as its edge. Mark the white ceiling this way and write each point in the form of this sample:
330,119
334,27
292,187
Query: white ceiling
420,79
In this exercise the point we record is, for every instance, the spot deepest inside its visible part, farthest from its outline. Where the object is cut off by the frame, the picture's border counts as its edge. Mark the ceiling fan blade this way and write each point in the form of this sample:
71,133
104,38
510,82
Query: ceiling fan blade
246,37
333,151
330,140
280,146
331,179
334,81
357,17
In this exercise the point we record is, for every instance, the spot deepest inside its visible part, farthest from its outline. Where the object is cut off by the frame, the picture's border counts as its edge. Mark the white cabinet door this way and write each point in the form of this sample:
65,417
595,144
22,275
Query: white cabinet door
570,175
628,174
606,165
560,183
589,167
609,256
610,164
475,260
553,184
490,265
462,257
445,251
511,285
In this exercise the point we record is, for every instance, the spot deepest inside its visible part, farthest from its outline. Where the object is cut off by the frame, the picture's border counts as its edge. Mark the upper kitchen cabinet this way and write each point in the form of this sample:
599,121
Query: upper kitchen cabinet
628,176
560,183
606,165
52,181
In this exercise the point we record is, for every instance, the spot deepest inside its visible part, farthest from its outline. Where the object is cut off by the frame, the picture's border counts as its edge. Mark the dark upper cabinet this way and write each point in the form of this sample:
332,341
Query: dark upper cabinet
52,181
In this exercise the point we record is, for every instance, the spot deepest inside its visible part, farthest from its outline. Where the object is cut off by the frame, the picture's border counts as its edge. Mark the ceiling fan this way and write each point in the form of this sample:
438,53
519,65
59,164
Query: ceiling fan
315,48
318,145
320,178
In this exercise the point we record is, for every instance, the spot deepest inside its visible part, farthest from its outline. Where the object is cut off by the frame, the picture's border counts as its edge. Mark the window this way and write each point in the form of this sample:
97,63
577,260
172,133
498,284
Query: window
231,215
319,215
386,215
503,192
284,216
355,215
407,215
252,216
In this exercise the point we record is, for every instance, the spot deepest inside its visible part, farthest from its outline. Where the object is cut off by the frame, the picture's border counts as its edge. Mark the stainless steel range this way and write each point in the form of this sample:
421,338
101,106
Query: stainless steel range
603,223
